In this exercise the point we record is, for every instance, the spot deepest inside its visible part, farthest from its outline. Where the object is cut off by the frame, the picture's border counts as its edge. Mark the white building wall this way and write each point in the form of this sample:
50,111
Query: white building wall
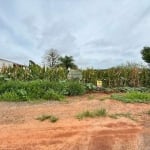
5,63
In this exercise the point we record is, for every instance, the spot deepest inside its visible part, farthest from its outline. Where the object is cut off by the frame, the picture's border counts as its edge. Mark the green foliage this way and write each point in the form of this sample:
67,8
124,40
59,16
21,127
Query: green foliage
67,62
90,76
75,88
85,114
90,97
130,75
52,95
123,89
90,87
22,93
43,117
100,113
148,112
39,89
51,118
92,114
118,115
9,96
33,72
133,97
146,54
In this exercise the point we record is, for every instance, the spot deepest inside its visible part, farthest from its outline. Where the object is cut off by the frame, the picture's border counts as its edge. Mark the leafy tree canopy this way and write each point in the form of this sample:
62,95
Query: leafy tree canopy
67,62
146,54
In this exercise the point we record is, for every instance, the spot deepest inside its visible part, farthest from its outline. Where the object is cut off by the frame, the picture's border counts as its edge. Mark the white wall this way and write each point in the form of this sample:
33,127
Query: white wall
5,63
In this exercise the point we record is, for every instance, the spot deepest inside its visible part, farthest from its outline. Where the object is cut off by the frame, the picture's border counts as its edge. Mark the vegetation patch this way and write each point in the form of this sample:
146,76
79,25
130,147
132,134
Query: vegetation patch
91,114
118,115
133,97
51,118
104,98
39,89
148,112
90,97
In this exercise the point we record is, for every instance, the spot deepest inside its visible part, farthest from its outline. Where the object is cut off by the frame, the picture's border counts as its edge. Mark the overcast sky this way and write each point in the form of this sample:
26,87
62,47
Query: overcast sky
97,33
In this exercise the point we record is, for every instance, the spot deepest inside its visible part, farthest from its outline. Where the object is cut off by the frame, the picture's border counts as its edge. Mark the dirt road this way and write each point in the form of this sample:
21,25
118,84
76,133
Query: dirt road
19,130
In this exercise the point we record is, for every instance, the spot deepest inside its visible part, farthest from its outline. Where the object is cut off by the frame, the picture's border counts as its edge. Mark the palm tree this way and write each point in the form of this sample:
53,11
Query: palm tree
67,62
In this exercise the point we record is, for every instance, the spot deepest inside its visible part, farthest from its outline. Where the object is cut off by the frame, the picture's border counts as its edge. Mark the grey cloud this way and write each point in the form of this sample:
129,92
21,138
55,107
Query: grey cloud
96,33
99,43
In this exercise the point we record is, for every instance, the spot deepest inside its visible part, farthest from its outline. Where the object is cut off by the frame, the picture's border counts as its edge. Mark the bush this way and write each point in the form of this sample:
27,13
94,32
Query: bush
39,89
90,87
9,96
52,95
75,88
22,93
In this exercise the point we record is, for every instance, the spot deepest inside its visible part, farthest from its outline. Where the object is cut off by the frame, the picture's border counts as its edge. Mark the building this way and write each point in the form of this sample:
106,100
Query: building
7,63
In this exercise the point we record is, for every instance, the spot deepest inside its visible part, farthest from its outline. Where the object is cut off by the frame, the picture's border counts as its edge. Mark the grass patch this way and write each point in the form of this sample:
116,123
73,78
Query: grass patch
114,116
133,97
118,115
104,98
91,114
90,97
148,112
51,118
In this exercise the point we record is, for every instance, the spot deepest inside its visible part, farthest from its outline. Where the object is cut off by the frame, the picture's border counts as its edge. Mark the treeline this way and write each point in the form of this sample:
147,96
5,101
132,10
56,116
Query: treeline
127,75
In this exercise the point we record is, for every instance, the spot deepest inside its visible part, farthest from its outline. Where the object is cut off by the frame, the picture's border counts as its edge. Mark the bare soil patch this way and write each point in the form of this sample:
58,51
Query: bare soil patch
19,130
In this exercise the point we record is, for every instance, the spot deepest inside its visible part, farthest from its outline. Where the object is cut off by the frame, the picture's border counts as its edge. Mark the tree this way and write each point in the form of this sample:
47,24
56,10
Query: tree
51,58
146,55
67,62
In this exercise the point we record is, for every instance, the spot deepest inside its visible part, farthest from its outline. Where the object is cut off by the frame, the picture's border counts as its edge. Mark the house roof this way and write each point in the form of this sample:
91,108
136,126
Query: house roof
11,62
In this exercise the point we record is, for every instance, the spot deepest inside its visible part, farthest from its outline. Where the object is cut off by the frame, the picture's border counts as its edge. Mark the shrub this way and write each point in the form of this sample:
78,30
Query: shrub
40,89
9,96
75,88
22,93
90,87
52,95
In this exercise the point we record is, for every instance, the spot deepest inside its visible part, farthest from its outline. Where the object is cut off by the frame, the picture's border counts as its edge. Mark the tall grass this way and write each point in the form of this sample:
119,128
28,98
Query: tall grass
122,76
91,114
129,75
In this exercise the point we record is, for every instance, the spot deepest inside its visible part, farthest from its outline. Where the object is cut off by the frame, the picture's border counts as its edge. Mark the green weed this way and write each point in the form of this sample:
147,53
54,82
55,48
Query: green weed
118,115
92,114
90,97
47,117
39,89
133,97
148,112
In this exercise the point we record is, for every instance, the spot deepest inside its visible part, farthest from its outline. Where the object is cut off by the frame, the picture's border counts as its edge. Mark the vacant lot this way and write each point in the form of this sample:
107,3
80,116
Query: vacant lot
125,126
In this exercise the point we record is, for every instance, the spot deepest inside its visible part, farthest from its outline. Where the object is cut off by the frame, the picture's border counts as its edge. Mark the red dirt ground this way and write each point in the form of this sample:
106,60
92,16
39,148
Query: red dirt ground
19,130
